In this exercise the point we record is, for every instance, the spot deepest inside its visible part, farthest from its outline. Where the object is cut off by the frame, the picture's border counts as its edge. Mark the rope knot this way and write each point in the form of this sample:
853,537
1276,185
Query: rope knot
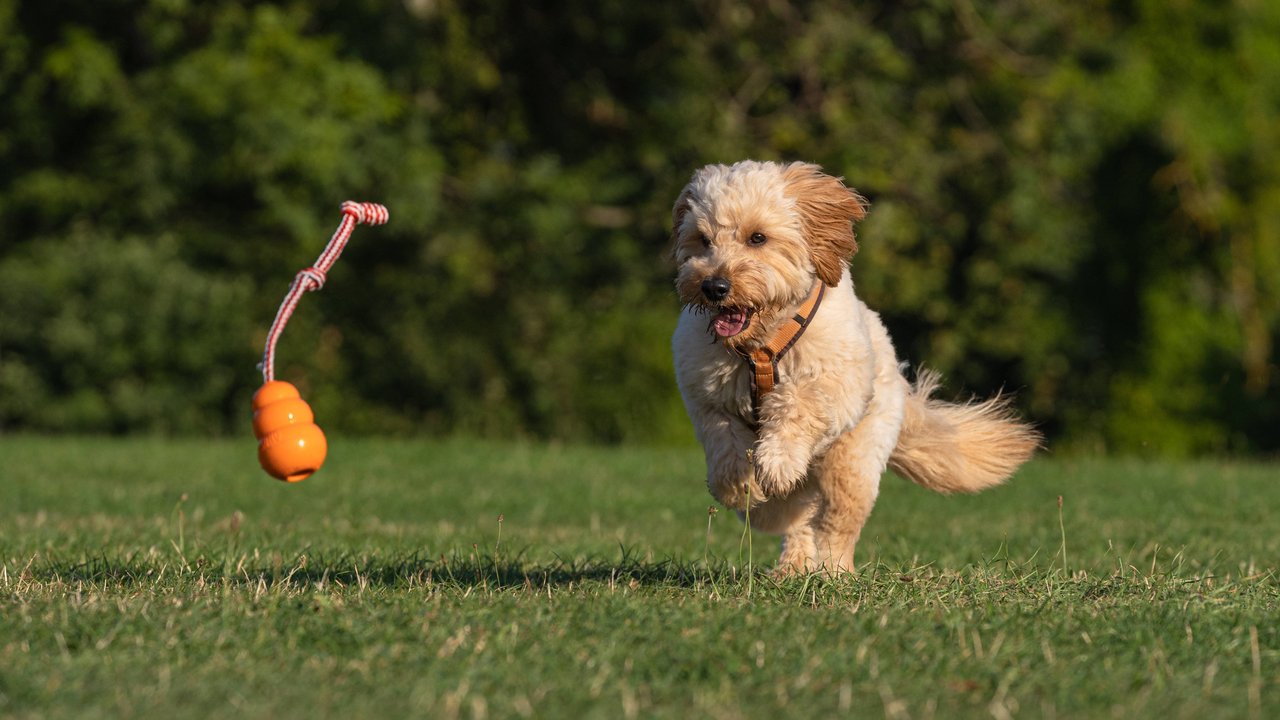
366,213
312,278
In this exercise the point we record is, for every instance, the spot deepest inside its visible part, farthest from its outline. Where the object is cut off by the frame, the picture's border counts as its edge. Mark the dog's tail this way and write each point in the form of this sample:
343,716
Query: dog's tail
959,448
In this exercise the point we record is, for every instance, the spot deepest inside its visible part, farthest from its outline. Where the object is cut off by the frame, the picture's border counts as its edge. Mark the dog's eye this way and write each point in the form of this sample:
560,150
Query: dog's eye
706,241
757,239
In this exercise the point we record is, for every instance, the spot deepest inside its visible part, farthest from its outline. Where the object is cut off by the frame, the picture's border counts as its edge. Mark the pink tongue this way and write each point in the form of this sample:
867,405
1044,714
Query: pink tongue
730,322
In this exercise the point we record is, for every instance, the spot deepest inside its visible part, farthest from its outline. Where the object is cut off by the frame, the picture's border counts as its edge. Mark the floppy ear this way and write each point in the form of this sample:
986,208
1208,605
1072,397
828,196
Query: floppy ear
827,212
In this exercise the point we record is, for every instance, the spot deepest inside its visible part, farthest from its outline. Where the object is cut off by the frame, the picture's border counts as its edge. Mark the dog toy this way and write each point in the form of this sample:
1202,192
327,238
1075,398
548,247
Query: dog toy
291,447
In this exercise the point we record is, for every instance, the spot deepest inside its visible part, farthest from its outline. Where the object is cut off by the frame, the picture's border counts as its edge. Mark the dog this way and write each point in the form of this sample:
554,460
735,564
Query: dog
792,383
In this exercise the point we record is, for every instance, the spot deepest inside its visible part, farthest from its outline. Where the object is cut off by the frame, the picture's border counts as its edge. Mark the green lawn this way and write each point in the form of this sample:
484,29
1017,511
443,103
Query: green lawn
169,579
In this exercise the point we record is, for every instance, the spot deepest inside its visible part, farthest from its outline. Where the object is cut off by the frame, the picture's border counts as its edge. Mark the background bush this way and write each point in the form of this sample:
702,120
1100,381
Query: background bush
1080,202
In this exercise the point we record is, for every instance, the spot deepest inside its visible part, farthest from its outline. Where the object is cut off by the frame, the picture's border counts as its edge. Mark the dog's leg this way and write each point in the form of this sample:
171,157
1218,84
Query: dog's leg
796,419
798,551
792,518
849,480
848,477
726,442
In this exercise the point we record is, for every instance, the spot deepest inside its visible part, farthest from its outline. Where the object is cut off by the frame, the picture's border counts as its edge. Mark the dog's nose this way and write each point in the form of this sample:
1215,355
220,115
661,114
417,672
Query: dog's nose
715,288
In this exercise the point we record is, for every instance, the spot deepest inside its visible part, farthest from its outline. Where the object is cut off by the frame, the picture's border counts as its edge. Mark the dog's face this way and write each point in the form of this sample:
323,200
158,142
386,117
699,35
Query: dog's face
752,238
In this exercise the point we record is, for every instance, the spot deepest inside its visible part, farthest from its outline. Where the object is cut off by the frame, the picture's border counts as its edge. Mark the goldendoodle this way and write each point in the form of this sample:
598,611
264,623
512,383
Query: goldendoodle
792,382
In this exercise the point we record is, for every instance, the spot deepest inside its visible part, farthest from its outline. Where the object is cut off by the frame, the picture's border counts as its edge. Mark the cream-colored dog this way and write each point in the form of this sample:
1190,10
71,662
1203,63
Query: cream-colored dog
792,382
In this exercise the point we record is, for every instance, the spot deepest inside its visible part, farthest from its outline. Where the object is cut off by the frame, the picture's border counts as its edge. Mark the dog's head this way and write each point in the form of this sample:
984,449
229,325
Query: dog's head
750,240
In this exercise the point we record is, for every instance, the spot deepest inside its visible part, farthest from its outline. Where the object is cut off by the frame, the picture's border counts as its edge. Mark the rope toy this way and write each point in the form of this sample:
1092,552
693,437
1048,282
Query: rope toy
291,447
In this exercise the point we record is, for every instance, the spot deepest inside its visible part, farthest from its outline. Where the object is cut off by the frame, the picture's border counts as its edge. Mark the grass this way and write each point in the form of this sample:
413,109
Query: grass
151,578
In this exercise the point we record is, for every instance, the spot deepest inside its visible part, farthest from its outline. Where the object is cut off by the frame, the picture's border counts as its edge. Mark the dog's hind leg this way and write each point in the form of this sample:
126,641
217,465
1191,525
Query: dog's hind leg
847,477
849,482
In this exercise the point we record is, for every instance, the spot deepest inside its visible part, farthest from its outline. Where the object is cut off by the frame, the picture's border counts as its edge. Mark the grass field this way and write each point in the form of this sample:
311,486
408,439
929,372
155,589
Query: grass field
151,578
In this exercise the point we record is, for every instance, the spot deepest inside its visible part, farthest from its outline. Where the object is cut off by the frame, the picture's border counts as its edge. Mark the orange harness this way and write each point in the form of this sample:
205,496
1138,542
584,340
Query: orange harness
763,362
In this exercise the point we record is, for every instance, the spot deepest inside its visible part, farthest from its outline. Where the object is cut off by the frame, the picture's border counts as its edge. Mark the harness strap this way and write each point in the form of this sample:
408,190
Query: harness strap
763,362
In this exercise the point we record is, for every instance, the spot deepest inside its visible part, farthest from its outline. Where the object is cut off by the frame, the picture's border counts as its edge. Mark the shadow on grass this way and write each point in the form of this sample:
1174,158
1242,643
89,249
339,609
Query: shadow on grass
395,572
997,581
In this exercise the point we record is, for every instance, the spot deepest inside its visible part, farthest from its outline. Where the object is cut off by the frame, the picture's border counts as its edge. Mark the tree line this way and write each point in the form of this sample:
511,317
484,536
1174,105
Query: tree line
1079,202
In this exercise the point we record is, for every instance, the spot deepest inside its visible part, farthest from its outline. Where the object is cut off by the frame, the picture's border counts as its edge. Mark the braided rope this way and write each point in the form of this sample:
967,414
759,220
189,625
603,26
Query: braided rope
312,278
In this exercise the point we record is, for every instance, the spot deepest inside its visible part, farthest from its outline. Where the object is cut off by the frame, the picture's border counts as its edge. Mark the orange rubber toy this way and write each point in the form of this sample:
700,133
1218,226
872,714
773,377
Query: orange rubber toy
291,447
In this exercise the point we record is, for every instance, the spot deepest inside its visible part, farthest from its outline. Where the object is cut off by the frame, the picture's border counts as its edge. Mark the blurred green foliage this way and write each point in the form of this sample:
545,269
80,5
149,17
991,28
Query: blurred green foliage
1076,201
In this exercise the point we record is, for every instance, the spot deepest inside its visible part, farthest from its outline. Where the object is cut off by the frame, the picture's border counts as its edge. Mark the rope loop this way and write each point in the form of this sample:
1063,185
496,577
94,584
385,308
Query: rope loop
311,278
366,213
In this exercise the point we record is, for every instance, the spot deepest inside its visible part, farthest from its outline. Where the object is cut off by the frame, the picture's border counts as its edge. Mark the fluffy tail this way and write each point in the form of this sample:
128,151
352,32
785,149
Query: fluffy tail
953,448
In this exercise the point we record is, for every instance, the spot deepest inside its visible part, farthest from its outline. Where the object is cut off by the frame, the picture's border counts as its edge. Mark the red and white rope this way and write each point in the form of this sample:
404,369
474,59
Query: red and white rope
312,278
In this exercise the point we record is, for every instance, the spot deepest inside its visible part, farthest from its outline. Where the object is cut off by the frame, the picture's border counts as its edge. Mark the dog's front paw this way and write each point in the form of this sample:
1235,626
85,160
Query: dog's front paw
778,473
736,493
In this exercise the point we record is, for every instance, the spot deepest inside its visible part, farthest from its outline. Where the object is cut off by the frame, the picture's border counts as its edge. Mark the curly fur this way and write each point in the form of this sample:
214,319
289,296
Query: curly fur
842,412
